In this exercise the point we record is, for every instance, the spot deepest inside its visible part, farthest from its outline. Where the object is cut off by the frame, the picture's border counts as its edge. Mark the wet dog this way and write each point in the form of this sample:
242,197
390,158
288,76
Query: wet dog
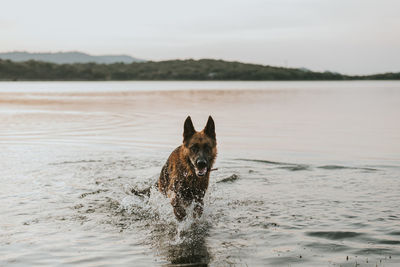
184,177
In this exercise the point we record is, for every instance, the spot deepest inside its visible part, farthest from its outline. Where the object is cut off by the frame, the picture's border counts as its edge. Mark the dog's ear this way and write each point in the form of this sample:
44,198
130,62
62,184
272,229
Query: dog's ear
188,129
210,128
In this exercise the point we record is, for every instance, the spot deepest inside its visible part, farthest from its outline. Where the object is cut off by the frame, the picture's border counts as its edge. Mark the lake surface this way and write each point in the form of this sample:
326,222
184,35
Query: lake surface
308,173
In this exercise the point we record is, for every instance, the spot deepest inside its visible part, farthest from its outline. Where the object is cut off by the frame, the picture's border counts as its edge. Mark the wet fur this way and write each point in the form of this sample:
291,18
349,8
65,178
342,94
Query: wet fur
179,179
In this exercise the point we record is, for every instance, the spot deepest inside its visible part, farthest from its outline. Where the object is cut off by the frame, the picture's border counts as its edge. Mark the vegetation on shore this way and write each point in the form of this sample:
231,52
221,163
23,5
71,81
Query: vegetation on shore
204,69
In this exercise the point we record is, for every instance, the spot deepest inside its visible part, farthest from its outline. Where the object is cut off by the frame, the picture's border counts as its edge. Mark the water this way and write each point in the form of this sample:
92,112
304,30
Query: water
308,173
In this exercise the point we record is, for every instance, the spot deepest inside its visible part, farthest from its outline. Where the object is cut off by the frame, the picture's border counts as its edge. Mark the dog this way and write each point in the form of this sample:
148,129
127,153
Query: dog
185,176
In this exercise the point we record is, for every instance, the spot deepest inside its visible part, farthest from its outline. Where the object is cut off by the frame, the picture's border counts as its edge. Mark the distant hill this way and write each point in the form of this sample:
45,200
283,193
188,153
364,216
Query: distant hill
202,70
68,58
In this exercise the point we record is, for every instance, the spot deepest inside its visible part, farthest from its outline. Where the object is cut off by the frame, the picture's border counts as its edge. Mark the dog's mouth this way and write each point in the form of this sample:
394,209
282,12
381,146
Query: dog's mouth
201,172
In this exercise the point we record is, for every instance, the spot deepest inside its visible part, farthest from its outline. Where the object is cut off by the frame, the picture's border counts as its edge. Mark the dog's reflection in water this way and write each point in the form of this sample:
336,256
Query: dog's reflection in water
183,247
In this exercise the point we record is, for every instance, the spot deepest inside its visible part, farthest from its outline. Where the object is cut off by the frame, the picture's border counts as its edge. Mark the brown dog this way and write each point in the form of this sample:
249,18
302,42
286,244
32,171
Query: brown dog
184,177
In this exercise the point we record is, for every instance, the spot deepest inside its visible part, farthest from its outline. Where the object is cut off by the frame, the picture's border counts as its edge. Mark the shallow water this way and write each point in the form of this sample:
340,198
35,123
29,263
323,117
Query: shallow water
308,173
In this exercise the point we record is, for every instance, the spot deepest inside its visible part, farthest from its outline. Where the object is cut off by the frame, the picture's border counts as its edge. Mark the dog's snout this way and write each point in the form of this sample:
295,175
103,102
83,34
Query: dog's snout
201,163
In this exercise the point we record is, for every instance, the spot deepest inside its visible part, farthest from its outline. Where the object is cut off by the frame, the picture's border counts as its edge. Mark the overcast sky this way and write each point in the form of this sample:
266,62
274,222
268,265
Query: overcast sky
348,36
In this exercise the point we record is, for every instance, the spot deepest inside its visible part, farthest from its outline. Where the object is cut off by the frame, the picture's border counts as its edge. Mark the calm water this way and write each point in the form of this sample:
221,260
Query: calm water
309,173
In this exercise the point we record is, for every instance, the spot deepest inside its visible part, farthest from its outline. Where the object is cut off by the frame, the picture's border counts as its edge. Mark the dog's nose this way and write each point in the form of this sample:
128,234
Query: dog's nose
201,163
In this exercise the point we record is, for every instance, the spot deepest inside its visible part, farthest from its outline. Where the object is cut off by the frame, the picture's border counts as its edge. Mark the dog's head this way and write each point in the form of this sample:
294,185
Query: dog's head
200,147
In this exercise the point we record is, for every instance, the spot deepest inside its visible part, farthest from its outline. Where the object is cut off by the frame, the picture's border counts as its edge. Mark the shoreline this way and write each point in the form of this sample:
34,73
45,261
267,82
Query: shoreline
182,80
80,87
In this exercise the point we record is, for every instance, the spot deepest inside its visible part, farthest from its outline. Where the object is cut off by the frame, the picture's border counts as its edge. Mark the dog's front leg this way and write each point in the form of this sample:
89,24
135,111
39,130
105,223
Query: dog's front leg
179,209
198,208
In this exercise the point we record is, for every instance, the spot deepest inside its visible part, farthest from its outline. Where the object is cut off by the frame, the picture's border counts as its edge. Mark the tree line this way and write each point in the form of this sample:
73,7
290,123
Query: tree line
204,69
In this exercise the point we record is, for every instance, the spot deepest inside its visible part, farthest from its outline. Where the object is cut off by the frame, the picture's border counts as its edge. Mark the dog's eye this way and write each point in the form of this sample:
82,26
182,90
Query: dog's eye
206,148
194,149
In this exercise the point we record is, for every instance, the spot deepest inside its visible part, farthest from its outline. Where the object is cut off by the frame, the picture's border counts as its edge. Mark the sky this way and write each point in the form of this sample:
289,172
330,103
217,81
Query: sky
346,36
